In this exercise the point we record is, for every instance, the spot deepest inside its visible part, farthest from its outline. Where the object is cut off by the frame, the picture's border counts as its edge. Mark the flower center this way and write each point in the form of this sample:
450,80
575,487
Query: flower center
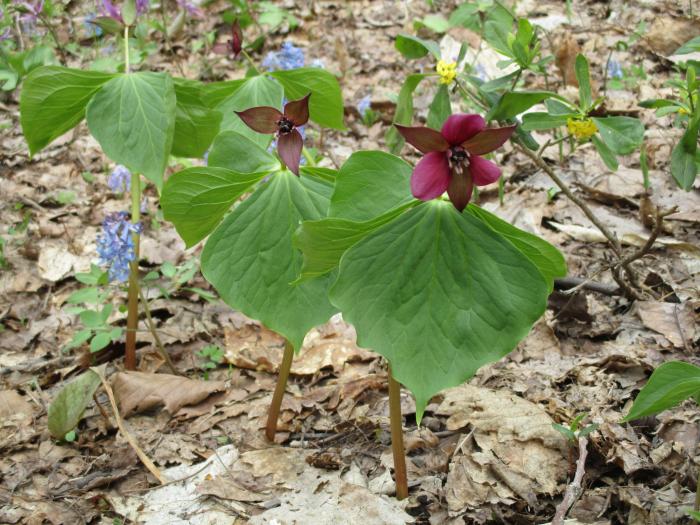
458,156
284,125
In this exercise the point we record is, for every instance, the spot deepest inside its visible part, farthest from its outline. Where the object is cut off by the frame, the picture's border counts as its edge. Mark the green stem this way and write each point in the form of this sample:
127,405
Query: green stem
309,158
132,318
396,421
126,49
250,61
51,29
274,412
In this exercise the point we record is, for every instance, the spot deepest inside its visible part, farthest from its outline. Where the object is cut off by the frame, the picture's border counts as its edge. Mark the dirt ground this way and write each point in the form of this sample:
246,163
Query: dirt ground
486,452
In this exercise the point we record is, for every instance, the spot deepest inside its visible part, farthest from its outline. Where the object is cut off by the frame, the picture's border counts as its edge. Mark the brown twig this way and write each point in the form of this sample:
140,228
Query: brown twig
120,424
610,236
154,332
574,490
573,284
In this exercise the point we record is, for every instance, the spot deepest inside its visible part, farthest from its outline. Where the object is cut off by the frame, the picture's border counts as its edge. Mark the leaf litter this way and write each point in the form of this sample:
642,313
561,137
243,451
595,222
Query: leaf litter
485,449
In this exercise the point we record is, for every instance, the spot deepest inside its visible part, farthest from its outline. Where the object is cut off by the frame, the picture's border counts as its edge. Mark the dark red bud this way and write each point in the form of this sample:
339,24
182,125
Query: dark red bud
236,42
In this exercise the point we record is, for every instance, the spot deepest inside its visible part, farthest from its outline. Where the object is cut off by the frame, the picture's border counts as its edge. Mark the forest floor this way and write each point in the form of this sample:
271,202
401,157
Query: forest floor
486,452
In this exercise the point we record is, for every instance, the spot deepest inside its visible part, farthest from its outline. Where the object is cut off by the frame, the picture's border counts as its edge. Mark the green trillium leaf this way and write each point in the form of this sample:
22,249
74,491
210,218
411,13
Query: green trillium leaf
369,184
251,262
439,294
548,260
326,102
323,242
133,119
404,111
53,101
196,199
414,47
196,124
254,92
669,385
237,152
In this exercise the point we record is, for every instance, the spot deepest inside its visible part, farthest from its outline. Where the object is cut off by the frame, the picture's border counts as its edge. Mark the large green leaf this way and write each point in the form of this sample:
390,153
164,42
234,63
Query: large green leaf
68,406
439,294
256,91
236,152
548,260
440,108
133,119
369,184
622,135
540,120
196,199
53,101
670,384
605,153
513,103
251,262
404,111
413,47
196,124
583,76
326,102
323,242
214,93
683,166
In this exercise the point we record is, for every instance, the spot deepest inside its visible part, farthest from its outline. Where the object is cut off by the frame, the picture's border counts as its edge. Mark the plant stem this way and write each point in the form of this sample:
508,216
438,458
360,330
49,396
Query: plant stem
51,30
132,319
126,49
397,438
610,236
250,61
274,412
154,333
309,158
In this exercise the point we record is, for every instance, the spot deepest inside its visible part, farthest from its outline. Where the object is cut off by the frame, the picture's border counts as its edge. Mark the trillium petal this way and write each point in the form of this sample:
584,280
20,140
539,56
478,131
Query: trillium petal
423,139
431,176
298,110
460,189
461,127
289,147
262,119
488,140
483,171
236,38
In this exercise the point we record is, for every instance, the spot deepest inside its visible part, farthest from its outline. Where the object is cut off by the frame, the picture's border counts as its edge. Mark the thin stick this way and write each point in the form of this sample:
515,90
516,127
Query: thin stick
120,424
274,413
610,236
573,491
397,438
154,333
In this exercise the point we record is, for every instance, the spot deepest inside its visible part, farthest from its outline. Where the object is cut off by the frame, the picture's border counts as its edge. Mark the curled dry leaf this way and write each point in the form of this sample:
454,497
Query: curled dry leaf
676,322
137,391
513,452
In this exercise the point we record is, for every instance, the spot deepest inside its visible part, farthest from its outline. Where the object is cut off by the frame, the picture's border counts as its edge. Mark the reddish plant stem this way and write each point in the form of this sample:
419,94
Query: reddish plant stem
274,412
397,438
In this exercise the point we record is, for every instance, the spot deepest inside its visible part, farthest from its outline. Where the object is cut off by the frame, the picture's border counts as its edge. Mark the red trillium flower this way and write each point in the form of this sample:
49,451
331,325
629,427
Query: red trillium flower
235,45
265,119
452,160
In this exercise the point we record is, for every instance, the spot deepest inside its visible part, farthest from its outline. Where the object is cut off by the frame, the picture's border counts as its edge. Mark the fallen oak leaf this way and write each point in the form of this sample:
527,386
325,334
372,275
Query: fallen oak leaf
139,391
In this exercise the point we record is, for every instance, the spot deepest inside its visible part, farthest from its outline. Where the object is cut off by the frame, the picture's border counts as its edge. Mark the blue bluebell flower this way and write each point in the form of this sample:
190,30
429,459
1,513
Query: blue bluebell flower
115,246
119,180
91,27
363,105
614,69
288,57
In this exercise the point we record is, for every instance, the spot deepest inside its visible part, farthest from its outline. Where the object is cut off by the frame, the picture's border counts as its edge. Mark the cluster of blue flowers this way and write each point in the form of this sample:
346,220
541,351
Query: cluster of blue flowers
115,245
615,69
288,57
119,180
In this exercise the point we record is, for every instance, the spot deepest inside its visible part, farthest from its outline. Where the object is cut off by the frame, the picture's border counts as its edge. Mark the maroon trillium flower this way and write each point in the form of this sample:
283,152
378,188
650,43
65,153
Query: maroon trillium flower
283,124
452,160
235,45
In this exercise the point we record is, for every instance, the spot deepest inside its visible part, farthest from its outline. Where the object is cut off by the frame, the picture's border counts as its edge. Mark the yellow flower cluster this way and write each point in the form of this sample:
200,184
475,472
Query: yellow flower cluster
582,129
447,71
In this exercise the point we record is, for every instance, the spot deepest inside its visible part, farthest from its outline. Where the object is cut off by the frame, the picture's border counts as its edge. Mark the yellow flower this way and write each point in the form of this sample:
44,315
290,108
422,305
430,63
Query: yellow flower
682,111
447,71
582,129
